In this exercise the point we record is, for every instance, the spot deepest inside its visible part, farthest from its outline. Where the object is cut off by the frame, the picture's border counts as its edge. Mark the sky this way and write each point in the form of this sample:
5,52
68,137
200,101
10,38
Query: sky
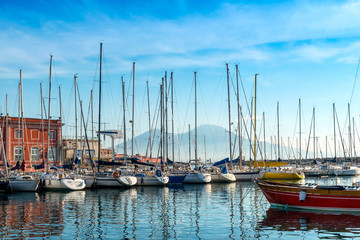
306,50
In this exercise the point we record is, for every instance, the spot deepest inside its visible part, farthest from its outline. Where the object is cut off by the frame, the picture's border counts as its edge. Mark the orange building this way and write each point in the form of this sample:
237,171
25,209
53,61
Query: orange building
33,143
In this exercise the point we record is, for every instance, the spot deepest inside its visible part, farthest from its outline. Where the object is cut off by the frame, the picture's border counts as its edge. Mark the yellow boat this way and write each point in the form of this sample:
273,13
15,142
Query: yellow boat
279,174
269,164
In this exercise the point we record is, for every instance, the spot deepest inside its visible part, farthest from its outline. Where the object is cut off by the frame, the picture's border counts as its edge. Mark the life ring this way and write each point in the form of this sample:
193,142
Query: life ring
115,174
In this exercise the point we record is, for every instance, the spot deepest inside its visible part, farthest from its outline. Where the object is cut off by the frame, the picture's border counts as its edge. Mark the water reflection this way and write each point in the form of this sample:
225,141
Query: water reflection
281,220
30,215
211,211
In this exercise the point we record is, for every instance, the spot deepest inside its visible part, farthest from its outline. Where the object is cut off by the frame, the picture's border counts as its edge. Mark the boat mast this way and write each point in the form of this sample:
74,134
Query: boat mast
42,122
300,130
123,96
334,130
264,136
350,144
133,116
238,108
76,135
4,154
92,121
48,137
6,127
162,123
196,158
228,90
278,131
81,145
166,119
20,133
189,145
99,125
354,139
314,131
148,98
255,118
251,129
22,120
61,141
172,116
205,146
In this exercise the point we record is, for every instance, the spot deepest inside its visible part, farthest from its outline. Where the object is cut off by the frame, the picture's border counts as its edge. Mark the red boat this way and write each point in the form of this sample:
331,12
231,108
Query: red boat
311,196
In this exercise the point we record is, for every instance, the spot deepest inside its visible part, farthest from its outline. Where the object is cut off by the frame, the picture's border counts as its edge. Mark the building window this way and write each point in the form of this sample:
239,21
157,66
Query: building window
34,134
52,154
52,135
35,156
18,133
17,153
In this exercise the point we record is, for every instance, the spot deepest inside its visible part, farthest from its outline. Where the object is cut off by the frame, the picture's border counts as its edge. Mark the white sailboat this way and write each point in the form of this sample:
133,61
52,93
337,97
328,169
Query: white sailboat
113,179
53,181
195,176
151,179
222,177
225,176
21,182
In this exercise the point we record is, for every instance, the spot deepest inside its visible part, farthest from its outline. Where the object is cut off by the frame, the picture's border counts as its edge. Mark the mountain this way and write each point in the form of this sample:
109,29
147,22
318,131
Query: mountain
217,145
216,137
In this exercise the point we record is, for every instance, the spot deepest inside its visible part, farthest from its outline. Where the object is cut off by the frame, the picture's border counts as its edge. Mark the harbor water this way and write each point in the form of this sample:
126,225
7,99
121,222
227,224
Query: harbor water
210,211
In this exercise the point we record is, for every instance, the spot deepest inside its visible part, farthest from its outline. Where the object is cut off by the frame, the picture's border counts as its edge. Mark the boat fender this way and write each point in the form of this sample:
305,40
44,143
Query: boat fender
115,174
302,196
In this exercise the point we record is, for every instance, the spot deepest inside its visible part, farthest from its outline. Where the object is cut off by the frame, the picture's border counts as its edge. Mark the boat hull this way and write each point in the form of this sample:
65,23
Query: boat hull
63,184
89,181
247,175
222,177
24,185
345,172
282,175
176,178
327,198
151,180
105,182
128,181
197,178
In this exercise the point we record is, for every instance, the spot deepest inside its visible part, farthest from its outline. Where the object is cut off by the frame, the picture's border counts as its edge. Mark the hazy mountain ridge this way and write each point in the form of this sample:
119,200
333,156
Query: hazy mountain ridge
216,137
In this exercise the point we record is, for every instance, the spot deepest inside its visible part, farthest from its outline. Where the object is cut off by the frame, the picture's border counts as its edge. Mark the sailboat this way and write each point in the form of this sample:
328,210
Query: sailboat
224,175
110,178
242,173
58,181
154,177
20,182
173,177
196,176
279,173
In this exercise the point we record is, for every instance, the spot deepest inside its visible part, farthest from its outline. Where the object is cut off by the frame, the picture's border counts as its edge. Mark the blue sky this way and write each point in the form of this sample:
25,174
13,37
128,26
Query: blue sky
301,49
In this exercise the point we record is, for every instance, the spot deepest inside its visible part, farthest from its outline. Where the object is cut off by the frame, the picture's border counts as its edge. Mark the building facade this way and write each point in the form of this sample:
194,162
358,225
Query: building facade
27,140
84,151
